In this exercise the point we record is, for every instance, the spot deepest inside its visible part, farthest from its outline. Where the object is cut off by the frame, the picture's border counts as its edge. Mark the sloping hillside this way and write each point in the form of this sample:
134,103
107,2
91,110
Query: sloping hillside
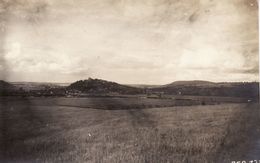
201,88
6,88
5,85
102,86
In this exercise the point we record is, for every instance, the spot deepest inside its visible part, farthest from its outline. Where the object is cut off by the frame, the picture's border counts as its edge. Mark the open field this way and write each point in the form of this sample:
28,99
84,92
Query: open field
74,130
132,102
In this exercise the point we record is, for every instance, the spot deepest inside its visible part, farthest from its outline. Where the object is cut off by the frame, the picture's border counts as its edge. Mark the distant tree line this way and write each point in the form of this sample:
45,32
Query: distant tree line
97,86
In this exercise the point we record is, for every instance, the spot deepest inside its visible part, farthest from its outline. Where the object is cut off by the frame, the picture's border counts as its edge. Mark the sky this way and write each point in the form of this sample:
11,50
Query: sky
129,41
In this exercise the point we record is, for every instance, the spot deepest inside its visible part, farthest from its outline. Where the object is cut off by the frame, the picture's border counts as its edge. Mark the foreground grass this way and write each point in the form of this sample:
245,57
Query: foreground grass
211,133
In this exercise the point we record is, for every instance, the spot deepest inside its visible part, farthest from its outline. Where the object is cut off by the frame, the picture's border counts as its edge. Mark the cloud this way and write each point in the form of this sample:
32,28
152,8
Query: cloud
252,70
130,41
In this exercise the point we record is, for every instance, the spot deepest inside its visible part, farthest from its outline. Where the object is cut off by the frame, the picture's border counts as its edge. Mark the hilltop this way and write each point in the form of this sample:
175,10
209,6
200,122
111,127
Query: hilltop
102,86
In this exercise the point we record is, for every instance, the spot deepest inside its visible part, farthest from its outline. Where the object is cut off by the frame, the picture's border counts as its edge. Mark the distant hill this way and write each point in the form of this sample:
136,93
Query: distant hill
176,83
191,83
205,88
6,88
5,85
102,86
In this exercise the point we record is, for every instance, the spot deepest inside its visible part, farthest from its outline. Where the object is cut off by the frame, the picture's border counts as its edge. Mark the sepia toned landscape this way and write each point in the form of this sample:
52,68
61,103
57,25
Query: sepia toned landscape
100,121
129,81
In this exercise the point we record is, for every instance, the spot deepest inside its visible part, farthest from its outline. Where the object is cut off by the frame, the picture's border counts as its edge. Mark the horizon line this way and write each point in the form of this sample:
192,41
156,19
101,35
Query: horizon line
55,82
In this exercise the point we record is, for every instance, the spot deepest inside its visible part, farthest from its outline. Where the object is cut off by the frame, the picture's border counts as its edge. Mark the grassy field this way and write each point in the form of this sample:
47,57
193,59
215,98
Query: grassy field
72,130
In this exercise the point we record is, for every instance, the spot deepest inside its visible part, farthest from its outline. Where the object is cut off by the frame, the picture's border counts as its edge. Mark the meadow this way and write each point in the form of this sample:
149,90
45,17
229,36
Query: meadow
151,130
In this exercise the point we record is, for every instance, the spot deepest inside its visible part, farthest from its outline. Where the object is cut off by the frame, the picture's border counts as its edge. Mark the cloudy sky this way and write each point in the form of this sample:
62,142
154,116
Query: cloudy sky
129,41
